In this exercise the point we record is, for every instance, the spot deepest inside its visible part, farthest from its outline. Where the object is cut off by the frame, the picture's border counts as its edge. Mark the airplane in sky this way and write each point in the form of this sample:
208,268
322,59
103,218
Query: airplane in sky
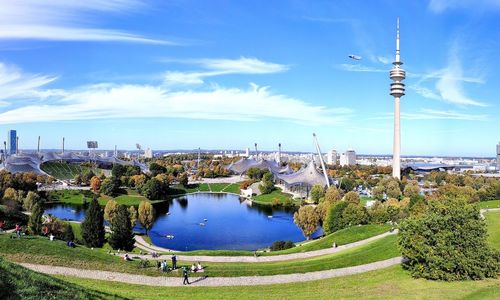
355,57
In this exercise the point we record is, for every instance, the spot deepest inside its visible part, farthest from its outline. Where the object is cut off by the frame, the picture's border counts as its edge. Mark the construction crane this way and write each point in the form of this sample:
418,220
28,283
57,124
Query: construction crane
321,159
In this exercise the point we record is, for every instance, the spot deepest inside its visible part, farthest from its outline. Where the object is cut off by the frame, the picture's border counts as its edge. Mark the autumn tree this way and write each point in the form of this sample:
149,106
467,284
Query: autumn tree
110,210
133,215
146,215
95,184
352,197
307,220
317,192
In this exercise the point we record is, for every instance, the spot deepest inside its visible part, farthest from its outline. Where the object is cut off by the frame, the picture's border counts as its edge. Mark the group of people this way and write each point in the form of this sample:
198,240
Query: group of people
162,265
197,268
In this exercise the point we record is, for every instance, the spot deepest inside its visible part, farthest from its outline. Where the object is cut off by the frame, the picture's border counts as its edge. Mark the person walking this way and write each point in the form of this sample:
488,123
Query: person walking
186,276
174,262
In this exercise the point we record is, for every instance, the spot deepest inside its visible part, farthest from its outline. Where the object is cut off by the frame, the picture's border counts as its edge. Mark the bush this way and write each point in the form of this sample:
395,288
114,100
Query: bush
282,245
448,243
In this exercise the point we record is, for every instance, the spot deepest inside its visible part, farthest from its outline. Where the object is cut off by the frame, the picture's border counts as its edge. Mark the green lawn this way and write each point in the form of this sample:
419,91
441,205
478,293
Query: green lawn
389,283
43,251
493,221
217,187
365,199
129,198
490,204
268,199
232,188
17,282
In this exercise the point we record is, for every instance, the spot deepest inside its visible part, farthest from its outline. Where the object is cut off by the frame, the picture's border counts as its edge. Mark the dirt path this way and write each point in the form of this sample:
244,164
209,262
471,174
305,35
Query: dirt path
212,281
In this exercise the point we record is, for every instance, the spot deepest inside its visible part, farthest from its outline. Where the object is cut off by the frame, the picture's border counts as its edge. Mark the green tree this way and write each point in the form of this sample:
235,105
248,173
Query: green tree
448,243
354,214
68,234
378,213
146,215
35,221
122,236
393,190
183,179
267,184
110,211
110,186
412,190
307,220
317,192
378,193
334,220
154,189
352,197
93,225
31,199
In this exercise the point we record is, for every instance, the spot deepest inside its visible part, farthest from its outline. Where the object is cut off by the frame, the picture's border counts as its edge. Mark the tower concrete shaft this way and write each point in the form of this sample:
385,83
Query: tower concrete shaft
397,75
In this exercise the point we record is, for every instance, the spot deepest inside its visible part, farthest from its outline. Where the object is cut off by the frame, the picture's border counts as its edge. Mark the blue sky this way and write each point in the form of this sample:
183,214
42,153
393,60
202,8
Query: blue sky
226,74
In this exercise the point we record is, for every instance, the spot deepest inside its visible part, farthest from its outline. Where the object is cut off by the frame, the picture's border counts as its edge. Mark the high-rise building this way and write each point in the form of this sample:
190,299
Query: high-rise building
397,75
331,157
498,156
12,142
348,158
148,153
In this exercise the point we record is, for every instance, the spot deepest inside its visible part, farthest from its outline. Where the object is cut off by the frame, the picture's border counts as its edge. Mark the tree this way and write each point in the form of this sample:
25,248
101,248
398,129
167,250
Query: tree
352,197
411,190
110,186
334,221
354,214
307,219
378,193
183,179
35,221
10,194
156,169
95,184
68,234
31,199
154,189
93,225
448,243
317,192
146,215
110,211
347,184
122,236
393,190
378,213
267,185
332,194
133,215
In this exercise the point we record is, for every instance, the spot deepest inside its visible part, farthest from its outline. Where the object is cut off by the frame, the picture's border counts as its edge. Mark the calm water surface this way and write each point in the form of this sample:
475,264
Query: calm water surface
231,223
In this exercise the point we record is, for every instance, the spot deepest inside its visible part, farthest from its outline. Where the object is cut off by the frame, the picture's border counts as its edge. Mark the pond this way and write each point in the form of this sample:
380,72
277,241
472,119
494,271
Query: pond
211,221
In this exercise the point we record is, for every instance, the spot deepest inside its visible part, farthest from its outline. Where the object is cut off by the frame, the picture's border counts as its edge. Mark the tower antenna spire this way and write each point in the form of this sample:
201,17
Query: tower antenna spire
398,59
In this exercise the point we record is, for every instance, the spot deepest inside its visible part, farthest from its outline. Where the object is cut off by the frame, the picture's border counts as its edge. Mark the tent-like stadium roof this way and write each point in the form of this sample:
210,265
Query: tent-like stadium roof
308,175
242,165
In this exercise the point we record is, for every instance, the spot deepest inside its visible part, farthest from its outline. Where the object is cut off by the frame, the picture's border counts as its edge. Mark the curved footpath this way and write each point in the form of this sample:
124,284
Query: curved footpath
212,281
252,259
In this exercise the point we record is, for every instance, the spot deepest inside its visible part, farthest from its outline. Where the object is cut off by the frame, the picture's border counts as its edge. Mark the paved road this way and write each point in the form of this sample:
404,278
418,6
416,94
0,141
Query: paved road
212,281
251,259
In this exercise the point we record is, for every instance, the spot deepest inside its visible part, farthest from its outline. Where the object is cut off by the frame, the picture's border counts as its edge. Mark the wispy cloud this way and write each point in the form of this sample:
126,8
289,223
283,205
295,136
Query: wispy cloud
449,83
217,67
107,101
359,68
433,114
14,83
439,6
66,20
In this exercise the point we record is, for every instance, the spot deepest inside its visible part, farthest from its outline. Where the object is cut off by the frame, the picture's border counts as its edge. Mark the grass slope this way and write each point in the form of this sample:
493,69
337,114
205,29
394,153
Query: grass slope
490,204
268,199
17,282
493,221
128,198
389,283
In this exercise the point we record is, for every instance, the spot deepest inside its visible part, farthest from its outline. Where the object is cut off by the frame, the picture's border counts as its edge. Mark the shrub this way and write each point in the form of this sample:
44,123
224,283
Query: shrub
448,243
282,245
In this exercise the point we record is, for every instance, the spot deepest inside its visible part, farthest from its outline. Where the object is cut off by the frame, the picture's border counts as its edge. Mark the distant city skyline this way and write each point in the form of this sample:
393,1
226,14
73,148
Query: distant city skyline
223,75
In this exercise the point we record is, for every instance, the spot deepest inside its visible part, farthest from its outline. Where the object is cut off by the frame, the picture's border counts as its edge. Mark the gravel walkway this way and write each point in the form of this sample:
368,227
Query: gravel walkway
252,259
212,281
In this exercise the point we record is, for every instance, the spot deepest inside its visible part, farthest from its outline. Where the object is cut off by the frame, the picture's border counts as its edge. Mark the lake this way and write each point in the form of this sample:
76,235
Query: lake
212,222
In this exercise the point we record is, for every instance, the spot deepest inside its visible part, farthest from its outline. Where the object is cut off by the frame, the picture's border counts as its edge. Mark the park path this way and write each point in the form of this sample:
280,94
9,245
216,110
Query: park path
252,259
483,210
212,281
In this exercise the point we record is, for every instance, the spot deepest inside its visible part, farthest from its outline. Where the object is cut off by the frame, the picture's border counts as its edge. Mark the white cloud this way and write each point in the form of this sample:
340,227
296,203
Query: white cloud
217,67
146,101
433,114
439,6
359,68
14,83
449,83
66,20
